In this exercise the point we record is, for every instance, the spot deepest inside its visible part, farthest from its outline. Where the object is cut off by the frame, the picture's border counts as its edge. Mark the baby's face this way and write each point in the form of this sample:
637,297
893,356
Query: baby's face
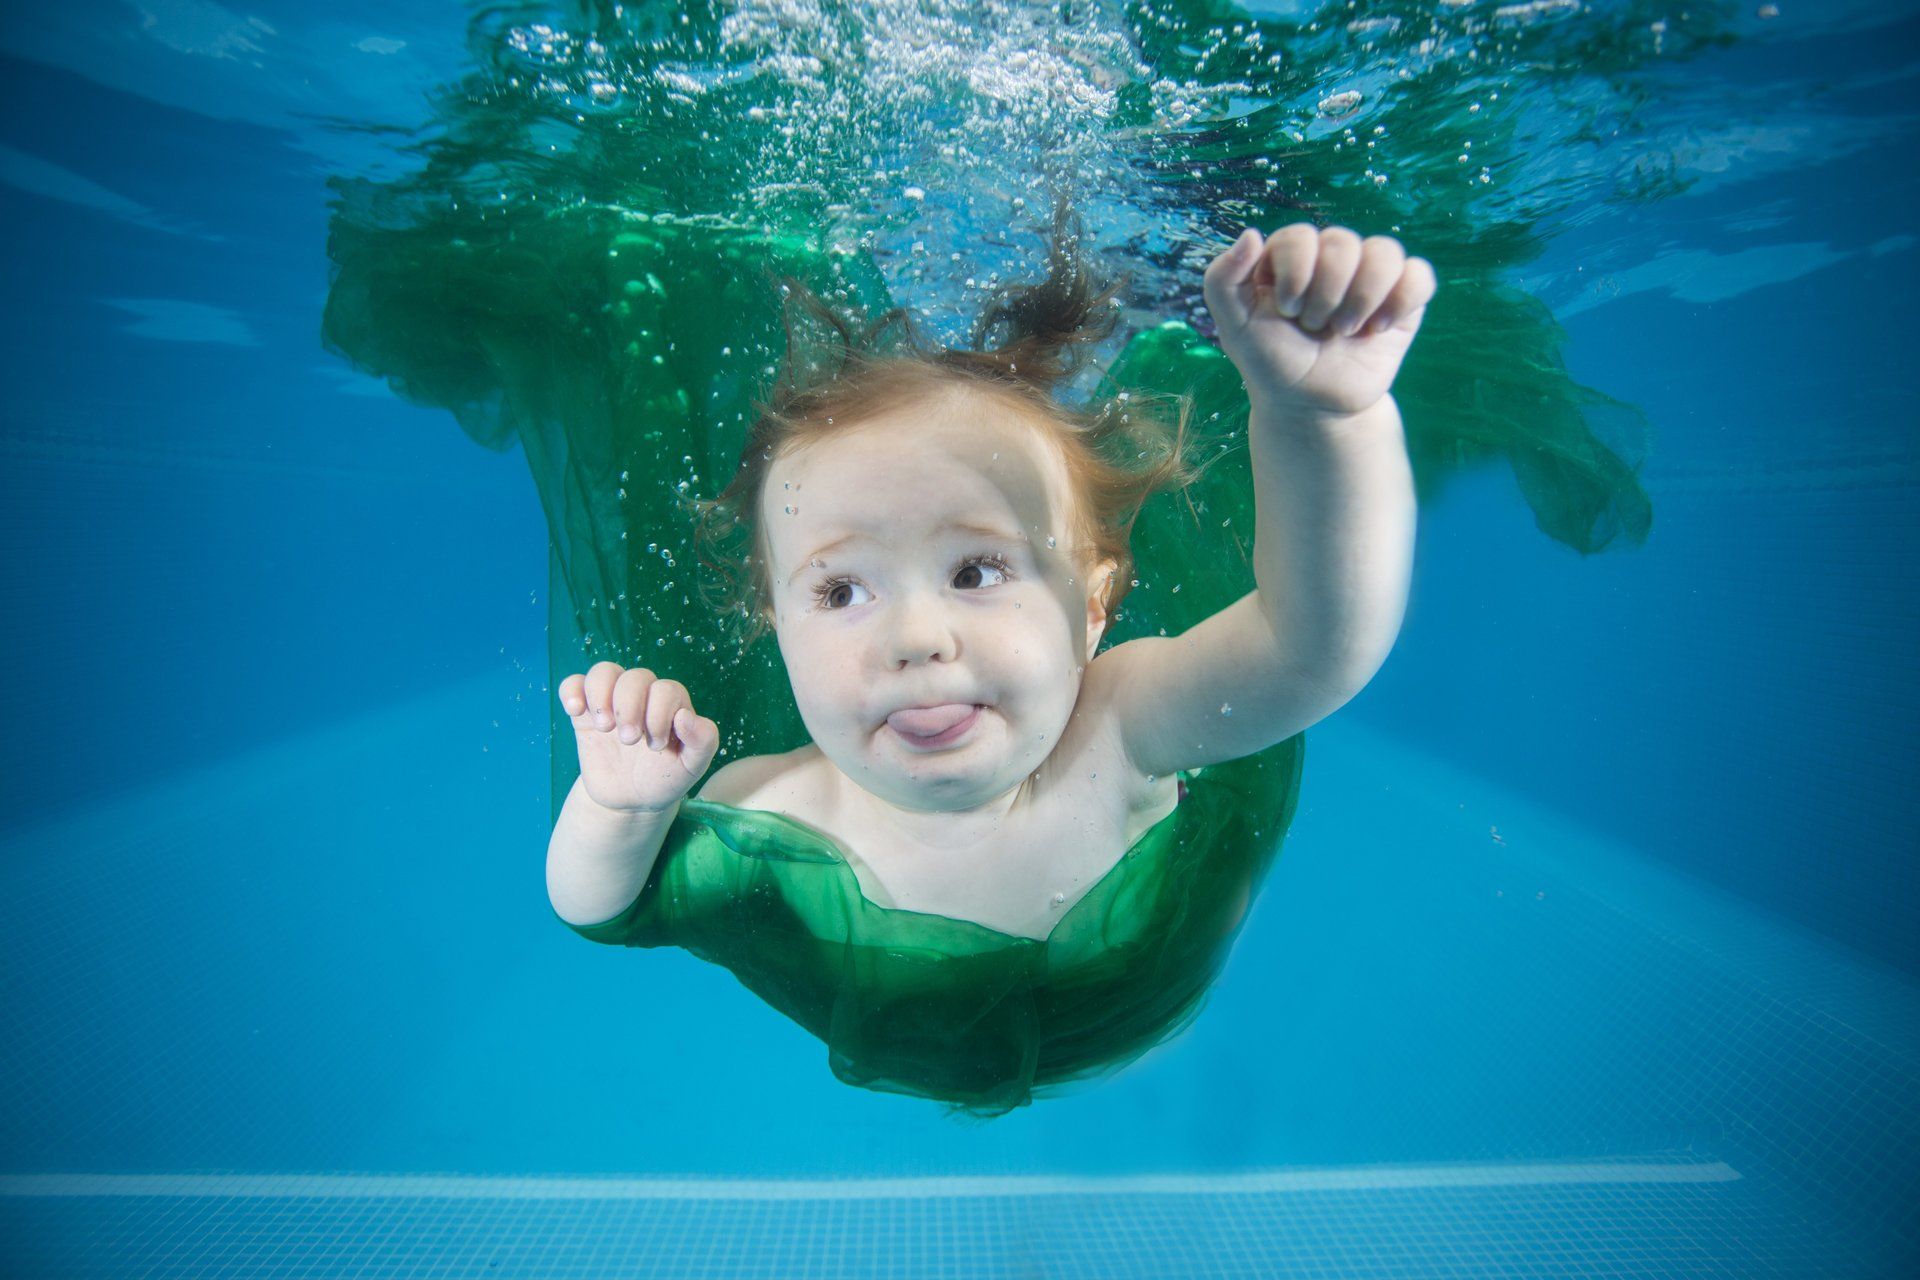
909,612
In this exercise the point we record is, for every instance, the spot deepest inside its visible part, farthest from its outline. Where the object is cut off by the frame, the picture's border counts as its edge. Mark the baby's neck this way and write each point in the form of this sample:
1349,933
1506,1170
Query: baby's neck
878,822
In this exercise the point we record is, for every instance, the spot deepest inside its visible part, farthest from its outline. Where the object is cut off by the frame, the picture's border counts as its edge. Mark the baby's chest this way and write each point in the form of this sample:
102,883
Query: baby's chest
1077,822
1020,883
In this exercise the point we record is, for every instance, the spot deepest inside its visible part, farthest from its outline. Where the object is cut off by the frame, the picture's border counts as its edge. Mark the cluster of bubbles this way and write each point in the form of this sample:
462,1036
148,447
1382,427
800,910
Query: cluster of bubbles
931,135
917,131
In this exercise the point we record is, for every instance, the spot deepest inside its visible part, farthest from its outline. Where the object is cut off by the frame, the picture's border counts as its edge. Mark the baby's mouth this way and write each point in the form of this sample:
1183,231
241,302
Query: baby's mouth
939,726
929,722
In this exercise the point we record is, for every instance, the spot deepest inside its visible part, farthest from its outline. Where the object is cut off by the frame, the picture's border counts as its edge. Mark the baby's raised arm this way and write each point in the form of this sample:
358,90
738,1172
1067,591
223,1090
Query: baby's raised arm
642,747
1317,322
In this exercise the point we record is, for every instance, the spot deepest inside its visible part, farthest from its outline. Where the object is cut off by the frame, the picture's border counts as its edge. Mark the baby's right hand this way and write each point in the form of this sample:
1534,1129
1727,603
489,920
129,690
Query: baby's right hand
615,713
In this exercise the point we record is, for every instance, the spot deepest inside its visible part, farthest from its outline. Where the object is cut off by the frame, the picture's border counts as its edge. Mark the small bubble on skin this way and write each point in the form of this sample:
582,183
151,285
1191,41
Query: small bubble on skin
1226,708
1059,898
792,510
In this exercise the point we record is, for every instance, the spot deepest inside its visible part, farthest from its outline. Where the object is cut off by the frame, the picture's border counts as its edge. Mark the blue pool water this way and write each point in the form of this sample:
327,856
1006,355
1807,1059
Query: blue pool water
1594,949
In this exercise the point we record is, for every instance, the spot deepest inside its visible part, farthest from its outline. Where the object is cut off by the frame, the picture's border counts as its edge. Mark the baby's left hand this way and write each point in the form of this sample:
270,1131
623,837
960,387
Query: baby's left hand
1317,321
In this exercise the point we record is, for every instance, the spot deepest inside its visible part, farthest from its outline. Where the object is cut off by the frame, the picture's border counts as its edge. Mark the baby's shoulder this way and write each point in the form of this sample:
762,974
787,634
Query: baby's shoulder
756,782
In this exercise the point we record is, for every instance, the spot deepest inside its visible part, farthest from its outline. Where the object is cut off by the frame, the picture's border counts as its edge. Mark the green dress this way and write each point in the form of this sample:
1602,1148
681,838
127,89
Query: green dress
916,1003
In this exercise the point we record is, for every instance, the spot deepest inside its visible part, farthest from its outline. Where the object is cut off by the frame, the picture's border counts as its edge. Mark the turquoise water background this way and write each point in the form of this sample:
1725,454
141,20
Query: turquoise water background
1594,950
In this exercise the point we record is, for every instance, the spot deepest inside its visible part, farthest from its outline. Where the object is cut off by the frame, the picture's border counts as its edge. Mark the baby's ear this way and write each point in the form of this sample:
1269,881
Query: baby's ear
1099,593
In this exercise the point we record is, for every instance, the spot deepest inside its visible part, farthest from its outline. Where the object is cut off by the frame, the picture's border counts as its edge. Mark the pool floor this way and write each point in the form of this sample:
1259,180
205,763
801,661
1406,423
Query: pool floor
1667,1216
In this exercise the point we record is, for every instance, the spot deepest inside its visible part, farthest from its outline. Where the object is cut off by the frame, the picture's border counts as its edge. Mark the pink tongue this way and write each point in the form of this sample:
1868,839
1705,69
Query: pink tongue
925,722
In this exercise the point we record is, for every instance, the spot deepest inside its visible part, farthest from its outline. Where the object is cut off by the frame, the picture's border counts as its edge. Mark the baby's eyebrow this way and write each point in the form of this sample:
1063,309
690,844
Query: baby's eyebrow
953,526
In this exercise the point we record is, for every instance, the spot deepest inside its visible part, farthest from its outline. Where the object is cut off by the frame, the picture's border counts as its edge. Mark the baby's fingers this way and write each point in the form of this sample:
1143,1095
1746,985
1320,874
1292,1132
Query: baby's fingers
572,695
627,702
1333,271
1381,261
586,697
699,740
664,698
1407,303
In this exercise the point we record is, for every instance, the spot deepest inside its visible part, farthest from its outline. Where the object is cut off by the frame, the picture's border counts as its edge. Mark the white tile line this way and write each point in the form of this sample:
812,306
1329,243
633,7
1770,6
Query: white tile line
361,1186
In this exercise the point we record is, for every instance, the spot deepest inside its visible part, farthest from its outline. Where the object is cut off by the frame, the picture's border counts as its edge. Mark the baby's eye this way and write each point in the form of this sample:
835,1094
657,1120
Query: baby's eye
827,593
829,590
994,563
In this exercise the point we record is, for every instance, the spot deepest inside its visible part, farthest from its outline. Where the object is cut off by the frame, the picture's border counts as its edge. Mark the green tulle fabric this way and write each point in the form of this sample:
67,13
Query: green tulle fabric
577,266
921,1004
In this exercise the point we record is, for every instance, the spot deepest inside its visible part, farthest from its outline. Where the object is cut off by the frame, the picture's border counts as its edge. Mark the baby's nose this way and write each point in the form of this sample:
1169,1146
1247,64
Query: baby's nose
924,633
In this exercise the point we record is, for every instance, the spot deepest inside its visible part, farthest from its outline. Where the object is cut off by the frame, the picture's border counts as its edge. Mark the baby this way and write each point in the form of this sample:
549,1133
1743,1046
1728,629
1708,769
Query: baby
938,612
